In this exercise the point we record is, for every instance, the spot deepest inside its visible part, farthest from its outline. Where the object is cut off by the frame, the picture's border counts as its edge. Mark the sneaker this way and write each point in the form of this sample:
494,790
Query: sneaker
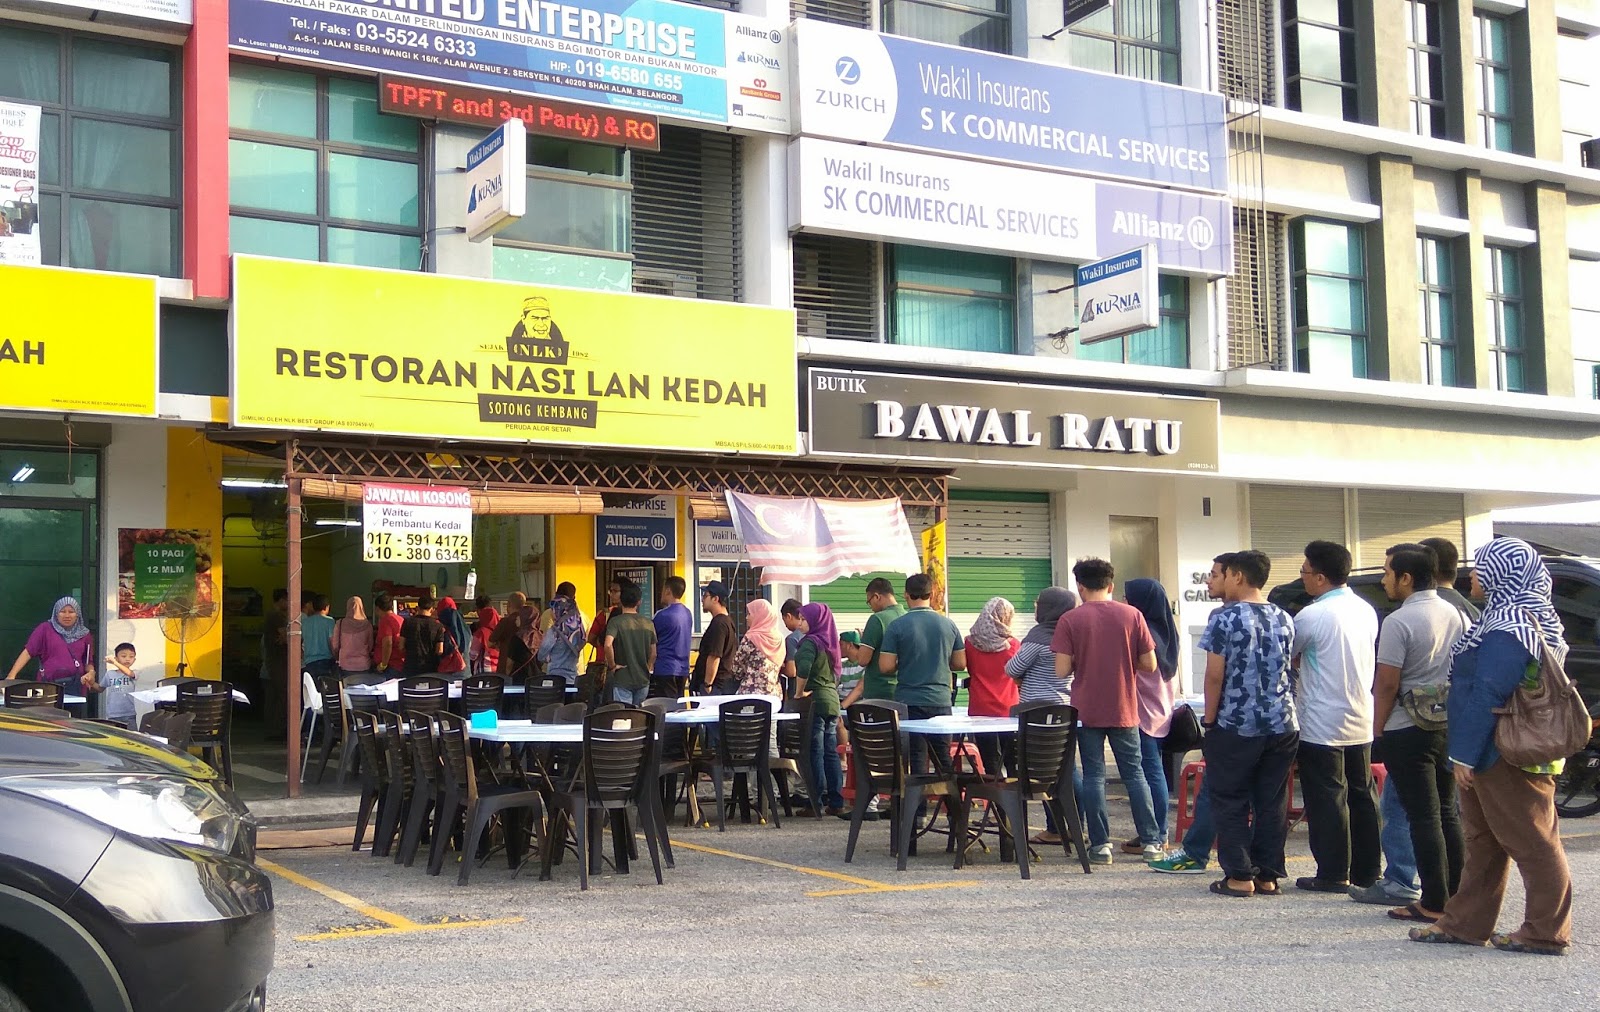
1179,864
1100,854
1384,893
1154,852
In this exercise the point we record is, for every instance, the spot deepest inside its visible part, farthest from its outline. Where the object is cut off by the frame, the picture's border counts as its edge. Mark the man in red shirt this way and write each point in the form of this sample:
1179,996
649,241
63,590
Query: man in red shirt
1102,645
388,649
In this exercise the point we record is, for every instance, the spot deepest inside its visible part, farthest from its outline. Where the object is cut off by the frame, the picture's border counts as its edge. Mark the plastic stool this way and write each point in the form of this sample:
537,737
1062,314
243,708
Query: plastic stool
1380,776
1189,782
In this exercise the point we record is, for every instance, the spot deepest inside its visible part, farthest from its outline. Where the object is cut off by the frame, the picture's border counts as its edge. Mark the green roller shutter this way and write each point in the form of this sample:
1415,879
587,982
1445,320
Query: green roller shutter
999,547
974,581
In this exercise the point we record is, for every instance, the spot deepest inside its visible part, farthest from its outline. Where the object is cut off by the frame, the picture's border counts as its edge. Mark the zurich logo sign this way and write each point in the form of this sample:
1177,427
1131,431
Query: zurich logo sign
847,70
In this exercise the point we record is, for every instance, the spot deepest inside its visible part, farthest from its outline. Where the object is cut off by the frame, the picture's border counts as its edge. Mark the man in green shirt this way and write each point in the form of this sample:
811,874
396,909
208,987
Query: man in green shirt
874,684
630,650
923,647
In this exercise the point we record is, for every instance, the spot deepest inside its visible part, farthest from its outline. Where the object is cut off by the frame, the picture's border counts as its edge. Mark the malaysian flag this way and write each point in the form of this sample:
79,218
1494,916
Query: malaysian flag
815,541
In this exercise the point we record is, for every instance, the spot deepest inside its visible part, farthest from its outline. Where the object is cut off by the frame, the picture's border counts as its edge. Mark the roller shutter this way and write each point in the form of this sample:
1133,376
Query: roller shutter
999,547
1284,518
1387,518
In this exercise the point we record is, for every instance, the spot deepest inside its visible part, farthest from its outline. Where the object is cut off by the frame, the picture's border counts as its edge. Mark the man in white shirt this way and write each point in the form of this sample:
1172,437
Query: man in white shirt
1335,641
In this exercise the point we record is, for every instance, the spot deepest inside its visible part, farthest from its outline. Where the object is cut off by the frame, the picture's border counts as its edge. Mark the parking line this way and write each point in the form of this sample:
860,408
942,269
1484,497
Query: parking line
862,885
395,924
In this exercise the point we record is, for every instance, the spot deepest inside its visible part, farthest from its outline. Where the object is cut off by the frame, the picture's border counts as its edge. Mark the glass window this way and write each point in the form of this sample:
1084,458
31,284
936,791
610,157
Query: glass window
585,201
1507,317
109,182
1491,37
1166,344
1425,37
1135,38
1436,310
949,299
1319,42
317,173
972,24
1330,298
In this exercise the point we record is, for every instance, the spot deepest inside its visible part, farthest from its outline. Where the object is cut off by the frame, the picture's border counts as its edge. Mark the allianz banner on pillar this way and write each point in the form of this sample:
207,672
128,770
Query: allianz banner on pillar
867,414
329,348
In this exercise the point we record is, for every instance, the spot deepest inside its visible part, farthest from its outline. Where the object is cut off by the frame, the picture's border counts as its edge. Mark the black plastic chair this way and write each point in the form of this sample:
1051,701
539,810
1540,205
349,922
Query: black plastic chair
211,703
880,767
1047,748
427,694
427,785
542,690
668,770
482,692
178,680
365,728
400,778
335,725
472,805
794,751
20,694
618,775
743,748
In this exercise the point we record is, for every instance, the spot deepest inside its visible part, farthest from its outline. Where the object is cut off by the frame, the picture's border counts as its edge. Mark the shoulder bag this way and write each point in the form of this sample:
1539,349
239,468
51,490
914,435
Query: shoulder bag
1544,723
1185,733
451,663
592,682
1427,706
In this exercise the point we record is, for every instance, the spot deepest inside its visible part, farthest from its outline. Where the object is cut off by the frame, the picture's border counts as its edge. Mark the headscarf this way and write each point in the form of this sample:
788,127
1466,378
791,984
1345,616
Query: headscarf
79,630
1151,599
355,610
766,628
1518,587
454,624
488,618
991,633
819,622
567,622
1053,603
528,626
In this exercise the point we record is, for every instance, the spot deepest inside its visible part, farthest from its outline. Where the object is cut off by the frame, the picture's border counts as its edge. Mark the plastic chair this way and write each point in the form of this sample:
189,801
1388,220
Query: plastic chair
211,703
310,703
669,768
399,779
374,771
427,785
22,694
427,694
744,730
335,726
881,768
794,746
618,774
1047,743
482,692
466,802
542,690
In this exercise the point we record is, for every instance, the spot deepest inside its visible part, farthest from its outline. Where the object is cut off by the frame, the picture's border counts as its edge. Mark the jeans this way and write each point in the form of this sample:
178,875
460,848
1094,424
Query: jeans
1248,781
1419,773
926,746
1399,860
826,772
1125,747
1202,831
1155,777
1336,781
629,697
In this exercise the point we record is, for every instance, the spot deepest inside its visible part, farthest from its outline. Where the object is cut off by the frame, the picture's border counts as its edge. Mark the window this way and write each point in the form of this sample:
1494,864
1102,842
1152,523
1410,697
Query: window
1167,343
109,184
581,234
1583,282
1319,55
1135,38
1330,298
974,24
688,206
316,172
1425,36
1436,310
1504,274
1491,44
948,299
1580,96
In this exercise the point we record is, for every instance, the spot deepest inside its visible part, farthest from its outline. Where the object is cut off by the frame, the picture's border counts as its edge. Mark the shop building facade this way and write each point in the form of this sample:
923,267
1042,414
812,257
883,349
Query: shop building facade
1375,277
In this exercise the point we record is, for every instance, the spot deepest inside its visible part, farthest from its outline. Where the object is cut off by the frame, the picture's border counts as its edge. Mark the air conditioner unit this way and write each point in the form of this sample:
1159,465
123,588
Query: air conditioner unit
684,284
811,323
1590,152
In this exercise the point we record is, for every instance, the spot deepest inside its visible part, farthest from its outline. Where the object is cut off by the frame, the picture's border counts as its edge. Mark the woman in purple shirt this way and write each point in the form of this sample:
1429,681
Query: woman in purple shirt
62,646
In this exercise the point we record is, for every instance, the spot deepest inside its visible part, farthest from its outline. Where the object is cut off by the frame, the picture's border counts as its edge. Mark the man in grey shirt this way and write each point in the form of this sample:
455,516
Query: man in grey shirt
1414,659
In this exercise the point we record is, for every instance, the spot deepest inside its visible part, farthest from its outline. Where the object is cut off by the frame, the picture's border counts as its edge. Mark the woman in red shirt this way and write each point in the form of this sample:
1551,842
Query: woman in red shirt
990,691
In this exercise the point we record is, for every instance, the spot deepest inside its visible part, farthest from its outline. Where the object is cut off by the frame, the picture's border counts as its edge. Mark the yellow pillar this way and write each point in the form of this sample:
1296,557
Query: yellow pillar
572,559
194,501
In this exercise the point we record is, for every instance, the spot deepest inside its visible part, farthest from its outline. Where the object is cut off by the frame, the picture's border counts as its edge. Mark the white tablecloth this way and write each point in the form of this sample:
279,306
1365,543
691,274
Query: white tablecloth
390,690
169,694
710,715
527,731
961,724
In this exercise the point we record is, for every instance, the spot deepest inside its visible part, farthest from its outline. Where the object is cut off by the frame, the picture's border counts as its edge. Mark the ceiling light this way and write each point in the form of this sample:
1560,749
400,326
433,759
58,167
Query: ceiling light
329,522
253,483
24,472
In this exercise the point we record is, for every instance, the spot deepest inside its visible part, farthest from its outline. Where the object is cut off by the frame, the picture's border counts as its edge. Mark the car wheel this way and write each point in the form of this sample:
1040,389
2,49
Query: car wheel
9,1002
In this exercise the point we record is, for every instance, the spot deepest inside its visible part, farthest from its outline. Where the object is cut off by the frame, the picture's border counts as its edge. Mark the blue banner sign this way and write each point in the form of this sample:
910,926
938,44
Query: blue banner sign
855,85
675,60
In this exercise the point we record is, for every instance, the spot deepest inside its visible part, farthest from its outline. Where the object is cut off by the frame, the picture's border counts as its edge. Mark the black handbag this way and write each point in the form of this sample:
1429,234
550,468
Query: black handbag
1185,733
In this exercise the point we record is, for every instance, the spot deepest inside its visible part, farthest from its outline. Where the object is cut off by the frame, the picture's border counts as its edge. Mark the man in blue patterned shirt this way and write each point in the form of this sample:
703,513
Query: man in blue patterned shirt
1252,733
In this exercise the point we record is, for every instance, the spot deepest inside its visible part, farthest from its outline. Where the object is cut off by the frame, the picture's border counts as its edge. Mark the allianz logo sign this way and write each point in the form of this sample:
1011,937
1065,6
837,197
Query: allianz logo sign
1126,303
1198,231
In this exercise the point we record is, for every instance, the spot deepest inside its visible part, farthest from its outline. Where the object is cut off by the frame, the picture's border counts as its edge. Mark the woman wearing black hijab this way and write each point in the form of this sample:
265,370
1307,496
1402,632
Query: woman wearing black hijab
1157,692
1034,666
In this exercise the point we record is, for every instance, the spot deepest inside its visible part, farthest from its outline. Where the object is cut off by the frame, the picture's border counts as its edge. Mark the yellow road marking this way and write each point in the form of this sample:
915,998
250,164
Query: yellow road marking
885,888
396,924
867,883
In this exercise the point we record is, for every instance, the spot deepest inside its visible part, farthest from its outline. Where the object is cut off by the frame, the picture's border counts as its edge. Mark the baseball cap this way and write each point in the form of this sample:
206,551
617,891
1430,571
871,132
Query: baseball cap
716,589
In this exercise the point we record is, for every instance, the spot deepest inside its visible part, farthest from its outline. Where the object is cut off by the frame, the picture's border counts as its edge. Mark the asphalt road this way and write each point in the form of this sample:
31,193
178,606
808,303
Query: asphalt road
777,920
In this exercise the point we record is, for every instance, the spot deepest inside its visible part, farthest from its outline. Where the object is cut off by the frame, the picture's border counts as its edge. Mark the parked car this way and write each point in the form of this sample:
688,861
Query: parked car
127,876
1575,588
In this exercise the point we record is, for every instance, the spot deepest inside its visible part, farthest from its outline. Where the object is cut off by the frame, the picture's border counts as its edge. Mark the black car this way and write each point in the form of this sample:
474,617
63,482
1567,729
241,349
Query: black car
1575,589
127,876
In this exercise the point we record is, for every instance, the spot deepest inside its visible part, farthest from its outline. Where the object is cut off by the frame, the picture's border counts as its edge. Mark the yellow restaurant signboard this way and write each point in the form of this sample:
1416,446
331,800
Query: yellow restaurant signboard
79,342
351,349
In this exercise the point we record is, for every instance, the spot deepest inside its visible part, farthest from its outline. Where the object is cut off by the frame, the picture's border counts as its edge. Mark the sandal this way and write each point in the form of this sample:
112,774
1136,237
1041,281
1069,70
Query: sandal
1505,943
1268,887
1433,934
1045,838
1222,888
1412,912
